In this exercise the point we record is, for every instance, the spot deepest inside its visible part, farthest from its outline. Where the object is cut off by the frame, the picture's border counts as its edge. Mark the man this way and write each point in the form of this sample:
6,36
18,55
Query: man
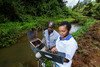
50,36
65,44
32,35
49,39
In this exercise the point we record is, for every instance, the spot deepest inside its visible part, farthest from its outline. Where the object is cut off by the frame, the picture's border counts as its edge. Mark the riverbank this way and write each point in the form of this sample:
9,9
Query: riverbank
88,54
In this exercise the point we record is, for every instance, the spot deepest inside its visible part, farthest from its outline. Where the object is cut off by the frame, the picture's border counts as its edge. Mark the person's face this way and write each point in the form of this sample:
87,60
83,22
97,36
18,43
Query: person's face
63,31
50,29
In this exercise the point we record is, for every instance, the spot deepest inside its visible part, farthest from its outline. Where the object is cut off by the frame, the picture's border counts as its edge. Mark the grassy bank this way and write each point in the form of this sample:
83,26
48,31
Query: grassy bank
11,31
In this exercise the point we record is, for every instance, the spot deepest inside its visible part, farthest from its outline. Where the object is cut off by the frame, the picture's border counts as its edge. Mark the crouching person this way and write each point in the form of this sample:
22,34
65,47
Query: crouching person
66,44
35,43
32,35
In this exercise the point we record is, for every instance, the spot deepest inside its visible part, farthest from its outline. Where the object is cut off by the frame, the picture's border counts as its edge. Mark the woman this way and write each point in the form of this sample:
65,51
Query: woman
66,44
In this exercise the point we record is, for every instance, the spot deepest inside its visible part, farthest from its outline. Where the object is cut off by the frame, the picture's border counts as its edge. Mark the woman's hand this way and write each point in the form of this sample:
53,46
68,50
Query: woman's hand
54,50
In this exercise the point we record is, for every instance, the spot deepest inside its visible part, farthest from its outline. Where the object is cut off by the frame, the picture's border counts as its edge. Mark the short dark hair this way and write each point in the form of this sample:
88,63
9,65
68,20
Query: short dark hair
68,25
51,24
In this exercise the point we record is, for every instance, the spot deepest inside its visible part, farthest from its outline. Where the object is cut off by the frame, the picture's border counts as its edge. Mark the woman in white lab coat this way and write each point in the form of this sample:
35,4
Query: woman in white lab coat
66,44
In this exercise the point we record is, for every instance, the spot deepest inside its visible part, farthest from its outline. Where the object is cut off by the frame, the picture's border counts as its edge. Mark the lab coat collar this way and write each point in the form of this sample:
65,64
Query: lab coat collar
67,37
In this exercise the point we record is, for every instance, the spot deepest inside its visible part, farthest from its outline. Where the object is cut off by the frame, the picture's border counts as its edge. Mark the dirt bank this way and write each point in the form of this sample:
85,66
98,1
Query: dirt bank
88,54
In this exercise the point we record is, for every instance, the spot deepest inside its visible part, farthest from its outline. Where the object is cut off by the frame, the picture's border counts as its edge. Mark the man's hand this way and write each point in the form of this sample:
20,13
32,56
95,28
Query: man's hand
54,50
66,60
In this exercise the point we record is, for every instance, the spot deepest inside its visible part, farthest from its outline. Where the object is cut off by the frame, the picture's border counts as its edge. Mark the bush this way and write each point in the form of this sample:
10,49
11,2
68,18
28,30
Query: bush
8,11
79,18
13,10
96,11
87,11
9,33
92,10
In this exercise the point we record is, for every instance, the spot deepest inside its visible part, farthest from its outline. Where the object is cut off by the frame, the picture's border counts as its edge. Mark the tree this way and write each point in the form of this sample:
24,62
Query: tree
16,9
98,1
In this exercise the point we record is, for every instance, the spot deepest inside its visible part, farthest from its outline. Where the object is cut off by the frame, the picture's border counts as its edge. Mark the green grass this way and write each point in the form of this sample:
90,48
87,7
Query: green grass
11,31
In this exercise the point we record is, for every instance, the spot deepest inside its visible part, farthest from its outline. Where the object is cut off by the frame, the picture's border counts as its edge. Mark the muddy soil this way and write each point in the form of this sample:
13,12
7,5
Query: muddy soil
88,54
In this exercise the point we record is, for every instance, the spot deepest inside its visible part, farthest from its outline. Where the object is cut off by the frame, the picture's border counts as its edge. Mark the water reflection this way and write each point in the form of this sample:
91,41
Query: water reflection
74,28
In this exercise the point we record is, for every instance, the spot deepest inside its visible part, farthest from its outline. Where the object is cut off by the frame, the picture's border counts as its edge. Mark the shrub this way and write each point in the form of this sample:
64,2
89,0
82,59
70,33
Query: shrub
96,11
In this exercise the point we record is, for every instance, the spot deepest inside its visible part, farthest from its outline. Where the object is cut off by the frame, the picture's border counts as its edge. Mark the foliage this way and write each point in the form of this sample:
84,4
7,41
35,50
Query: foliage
79,18
19,15
98,1
87,10
96,11
11,31
13,10
91,9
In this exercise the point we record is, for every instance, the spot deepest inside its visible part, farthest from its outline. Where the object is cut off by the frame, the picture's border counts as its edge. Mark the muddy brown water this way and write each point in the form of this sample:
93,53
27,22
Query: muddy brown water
20,54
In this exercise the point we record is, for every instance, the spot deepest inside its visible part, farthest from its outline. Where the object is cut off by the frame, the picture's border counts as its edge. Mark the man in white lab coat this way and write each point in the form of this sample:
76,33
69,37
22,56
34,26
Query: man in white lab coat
66,44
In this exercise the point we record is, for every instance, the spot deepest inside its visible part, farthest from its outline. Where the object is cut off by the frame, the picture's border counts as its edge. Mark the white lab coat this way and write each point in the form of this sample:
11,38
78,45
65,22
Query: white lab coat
67,46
